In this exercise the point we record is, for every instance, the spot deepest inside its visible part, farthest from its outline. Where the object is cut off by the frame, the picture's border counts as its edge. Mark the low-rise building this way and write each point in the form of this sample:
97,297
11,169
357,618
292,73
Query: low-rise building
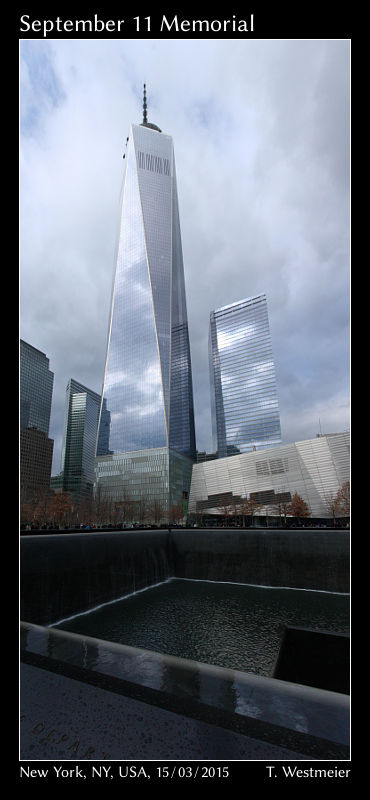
315,469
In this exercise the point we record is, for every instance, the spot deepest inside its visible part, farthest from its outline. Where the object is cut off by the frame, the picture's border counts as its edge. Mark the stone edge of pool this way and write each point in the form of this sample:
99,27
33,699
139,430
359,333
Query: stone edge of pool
302,719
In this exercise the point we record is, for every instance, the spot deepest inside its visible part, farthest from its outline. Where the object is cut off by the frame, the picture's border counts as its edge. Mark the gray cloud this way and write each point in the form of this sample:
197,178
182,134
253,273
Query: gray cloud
261,133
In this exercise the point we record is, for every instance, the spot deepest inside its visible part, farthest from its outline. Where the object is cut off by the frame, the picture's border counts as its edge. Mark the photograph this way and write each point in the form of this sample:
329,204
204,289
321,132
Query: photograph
184,400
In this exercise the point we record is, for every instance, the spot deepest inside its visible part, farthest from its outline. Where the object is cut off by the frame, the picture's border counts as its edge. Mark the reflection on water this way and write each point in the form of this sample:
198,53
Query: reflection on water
228,625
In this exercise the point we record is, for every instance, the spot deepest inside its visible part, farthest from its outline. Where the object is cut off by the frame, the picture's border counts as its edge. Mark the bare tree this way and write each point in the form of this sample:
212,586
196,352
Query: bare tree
277,510
124,509
33,508
234,509
60,507
248,507
176,513
44,507
227,510
142,509
281,510
156,511
83,510
101,505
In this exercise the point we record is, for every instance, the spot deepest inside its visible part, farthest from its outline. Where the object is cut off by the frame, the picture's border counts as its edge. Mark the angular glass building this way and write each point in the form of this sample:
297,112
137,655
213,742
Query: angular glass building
146,443
79,440
244,402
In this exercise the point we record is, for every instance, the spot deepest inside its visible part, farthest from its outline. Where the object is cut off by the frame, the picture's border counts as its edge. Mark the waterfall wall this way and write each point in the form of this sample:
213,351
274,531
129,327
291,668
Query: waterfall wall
64,574
301,559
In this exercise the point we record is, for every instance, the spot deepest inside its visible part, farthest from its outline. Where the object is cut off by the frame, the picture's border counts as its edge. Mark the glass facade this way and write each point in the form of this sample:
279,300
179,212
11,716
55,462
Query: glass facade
79,440
147,398
245,411
36,388
145,476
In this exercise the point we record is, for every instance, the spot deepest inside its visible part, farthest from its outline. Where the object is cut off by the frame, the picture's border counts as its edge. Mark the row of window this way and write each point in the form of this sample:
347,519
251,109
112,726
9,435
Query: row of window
154,163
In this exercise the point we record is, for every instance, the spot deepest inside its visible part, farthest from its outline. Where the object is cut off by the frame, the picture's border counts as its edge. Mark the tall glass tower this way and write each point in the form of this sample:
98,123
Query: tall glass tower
245,410
146,444
79,440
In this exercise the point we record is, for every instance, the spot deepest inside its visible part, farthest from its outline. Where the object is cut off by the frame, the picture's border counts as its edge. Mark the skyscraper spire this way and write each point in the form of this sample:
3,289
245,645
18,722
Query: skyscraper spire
145,116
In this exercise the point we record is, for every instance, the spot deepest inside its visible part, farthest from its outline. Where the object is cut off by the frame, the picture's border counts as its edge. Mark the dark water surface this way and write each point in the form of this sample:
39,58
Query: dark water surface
228,625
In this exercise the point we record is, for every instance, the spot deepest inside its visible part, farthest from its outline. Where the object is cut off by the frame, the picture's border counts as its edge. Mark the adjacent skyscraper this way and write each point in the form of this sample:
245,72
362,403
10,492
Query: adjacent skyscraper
36,388
79,440
147,442
245,411
36,449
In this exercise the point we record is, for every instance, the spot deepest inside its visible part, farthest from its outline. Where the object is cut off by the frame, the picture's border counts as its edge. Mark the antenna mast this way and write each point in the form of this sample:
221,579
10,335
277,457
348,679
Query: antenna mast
145,116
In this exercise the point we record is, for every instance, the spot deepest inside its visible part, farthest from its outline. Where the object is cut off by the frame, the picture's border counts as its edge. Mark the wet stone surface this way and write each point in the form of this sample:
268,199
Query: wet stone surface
65,719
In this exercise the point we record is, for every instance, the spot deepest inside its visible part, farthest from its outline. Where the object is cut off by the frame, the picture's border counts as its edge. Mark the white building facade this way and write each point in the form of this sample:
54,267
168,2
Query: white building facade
315,468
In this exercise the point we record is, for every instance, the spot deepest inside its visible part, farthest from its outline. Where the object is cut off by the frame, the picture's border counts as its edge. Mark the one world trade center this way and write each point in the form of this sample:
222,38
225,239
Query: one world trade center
146,438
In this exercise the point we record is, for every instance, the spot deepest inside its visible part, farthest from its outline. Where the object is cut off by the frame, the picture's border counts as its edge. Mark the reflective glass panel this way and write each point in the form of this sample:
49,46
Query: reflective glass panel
133,392
147,395
245,412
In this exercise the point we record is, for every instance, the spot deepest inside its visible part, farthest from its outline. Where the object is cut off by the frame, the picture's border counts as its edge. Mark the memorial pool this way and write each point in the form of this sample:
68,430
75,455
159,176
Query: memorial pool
229,625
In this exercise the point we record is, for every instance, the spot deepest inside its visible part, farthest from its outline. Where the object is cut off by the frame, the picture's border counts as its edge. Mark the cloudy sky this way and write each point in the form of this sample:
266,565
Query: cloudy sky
262,132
